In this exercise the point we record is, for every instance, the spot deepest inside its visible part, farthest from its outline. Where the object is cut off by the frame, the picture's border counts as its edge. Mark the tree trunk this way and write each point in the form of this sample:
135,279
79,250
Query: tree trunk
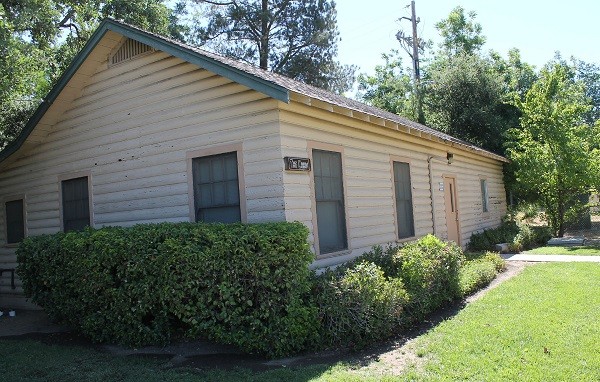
561,215
264,38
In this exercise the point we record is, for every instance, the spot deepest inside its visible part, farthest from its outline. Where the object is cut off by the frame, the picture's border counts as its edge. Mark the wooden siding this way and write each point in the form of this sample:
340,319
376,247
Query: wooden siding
368,178
131,127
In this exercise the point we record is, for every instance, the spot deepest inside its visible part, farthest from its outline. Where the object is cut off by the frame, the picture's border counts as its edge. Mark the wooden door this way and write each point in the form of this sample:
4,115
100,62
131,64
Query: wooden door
451,204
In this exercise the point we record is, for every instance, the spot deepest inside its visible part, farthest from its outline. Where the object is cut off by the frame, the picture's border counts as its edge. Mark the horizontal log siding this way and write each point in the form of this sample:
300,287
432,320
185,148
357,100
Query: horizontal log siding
131,127
369,184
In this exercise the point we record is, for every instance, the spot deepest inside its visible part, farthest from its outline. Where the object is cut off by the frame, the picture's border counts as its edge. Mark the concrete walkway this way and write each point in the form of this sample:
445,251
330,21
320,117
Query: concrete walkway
550,258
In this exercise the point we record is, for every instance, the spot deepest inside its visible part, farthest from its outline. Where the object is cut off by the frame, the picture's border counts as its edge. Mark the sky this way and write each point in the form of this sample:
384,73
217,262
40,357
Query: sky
538,28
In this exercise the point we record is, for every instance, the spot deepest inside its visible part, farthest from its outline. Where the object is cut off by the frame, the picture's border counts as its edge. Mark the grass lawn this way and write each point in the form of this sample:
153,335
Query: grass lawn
558,250
541,325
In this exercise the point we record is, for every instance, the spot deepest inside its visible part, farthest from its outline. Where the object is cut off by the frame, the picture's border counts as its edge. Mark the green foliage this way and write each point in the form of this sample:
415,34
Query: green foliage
429,268
460,33
236,284
39,38
487,239
294,38
475,274
464,99
390,88
359,305
519,236
555,153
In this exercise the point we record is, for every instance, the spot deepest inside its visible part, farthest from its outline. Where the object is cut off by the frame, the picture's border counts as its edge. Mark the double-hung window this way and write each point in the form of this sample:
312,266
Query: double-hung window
75,204
404,205
15,221
216,188
484,196
329,197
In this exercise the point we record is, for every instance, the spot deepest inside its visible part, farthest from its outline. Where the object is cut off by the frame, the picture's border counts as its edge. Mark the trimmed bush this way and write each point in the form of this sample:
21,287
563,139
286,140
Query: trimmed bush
236,284
429,269
359,305
479,272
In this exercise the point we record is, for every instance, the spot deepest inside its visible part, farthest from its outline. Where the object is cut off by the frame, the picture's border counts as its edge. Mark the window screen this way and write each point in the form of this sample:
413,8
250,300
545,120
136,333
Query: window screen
484,195
404,208
75,204
329,195
15,222
216,188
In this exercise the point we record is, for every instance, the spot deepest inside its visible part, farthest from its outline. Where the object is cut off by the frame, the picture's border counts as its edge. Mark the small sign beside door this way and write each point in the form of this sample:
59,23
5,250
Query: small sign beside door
297,164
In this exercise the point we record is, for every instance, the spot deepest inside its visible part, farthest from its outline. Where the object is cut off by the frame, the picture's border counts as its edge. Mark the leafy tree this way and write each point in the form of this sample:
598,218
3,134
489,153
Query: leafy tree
291,37
390,88
460,33
39,38
589,74
555,153
464,99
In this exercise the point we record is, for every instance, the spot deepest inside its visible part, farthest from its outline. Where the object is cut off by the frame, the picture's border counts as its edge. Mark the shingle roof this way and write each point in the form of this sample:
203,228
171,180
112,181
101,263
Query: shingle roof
327,96
272,84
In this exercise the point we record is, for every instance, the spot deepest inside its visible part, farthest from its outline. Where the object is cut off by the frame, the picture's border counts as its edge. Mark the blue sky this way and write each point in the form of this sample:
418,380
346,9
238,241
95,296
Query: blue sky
537,28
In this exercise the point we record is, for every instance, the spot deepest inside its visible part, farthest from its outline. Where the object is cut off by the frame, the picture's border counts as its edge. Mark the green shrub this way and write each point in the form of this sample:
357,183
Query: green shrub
429,269
487,240
385,258
359,305
541,235
479,270
237,284
494,258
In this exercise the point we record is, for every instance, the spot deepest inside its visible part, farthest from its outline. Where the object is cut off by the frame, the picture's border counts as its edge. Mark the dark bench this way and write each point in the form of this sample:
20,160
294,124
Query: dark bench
12,276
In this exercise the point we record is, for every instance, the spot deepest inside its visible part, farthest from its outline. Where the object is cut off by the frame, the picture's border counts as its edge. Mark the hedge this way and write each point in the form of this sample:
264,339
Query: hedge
243,284
358,306
425,273
479,272
236,284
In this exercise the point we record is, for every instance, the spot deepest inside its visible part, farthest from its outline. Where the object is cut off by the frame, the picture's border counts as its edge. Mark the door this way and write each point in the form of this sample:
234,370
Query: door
451,204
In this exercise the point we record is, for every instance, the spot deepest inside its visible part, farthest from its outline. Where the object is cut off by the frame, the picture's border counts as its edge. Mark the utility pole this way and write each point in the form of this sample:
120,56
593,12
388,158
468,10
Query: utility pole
412,44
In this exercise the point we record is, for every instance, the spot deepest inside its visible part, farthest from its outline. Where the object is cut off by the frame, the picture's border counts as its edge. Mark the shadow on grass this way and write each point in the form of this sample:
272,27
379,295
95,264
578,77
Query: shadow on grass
233,366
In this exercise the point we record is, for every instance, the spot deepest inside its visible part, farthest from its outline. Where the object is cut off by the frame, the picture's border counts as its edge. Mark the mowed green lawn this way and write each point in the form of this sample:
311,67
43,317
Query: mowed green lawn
542,325
557,250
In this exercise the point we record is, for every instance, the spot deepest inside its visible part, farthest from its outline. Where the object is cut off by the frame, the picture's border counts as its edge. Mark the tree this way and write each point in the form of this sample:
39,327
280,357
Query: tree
464,98
291,37
589,74
390,88
39,38
555,153
460,33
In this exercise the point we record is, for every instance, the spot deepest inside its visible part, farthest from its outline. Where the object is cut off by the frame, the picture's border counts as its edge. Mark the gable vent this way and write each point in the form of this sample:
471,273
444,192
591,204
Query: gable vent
129,50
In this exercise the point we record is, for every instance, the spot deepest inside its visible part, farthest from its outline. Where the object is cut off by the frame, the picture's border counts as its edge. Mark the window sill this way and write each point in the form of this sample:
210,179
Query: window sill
406,239
11,245
334,254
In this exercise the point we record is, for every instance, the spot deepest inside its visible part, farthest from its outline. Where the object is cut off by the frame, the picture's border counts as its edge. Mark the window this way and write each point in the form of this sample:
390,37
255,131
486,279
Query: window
216,188
15,221
484,195
329,197
404,207
75,204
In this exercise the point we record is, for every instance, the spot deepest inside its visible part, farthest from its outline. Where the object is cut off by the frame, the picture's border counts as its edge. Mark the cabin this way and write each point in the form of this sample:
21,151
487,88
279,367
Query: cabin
143,129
